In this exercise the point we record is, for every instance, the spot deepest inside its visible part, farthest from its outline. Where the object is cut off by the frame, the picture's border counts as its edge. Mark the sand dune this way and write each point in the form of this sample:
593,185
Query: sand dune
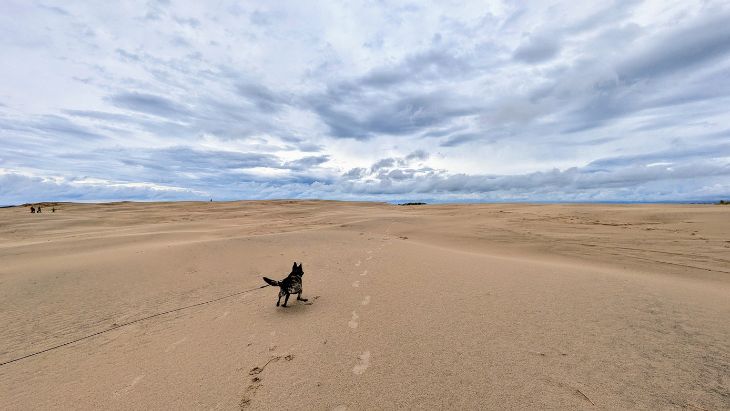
449,306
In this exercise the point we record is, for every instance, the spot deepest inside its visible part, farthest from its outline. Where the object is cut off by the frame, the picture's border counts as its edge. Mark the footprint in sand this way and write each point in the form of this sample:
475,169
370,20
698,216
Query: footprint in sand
369,258
364,272
357,264
175,344
366,300
353,322
363,362
356,284
129,387
250,391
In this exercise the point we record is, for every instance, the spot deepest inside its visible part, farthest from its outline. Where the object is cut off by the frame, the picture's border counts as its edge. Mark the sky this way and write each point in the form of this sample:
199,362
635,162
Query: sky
365,100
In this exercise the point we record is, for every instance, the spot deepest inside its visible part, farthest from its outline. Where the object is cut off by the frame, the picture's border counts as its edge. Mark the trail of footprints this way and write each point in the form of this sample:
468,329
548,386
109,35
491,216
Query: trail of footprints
255,372
363,359
255,383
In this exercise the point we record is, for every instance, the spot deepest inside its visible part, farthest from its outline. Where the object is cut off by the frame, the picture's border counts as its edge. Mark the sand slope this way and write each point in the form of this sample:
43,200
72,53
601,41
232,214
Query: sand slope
453,306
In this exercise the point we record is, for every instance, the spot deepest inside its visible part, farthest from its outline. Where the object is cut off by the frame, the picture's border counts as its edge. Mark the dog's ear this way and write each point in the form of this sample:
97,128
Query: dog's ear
294,267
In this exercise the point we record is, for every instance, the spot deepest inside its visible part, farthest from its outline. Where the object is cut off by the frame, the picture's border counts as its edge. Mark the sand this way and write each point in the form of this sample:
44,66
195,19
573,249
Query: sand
497,306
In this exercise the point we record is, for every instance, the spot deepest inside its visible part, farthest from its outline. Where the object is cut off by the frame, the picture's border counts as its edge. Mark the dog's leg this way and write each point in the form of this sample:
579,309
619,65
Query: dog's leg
286,299
299,297
279,300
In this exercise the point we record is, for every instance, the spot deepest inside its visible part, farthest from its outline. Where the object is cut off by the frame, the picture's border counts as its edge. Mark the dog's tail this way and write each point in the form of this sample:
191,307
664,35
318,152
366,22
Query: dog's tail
272,282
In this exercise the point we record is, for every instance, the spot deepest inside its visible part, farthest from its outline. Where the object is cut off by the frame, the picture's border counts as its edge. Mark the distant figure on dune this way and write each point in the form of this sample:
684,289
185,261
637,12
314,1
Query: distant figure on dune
53,210
39,210
32,210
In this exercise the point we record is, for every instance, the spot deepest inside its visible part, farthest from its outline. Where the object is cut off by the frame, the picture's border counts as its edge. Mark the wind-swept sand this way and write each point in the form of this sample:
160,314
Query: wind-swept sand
453,306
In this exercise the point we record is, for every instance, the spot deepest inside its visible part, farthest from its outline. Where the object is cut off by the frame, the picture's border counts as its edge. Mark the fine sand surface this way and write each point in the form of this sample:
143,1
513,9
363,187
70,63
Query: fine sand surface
497,306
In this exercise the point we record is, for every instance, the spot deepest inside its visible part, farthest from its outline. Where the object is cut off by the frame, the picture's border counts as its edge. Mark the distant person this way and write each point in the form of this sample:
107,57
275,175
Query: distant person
39,210
53,210
32,210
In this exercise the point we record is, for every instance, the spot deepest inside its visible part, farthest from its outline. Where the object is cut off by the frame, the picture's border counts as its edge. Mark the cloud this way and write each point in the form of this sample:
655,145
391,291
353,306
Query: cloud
192,160
305,163
417,155
399,115
459,139
704,39
355,174
149,104
537,49
685,178
574,183
670,156
261,96
50,127
441,102
190,21
19,189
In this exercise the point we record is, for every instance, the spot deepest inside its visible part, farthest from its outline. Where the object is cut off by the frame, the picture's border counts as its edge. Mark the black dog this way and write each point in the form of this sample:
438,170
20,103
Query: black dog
290,285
